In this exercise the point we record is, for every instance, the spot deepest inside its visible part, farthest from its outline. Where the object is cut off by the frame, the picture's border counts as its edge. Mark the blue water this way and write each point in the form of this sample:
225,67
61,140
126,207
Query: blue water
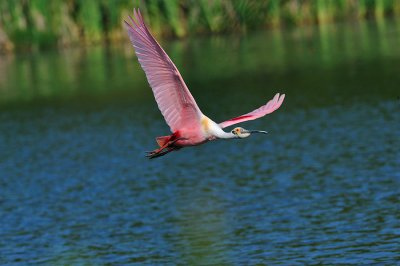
322,188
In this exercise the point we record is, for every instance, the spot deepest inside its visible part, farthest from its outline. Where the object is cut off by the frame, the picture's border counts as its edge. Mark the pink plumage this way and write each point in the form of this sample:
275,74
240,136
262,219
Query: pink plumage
271,106
189,126
170,91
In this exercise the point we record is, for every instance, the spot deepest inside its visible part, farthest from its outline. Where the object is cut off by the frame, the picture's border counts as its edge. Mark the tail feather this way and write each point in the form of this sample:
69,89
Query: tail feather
161,141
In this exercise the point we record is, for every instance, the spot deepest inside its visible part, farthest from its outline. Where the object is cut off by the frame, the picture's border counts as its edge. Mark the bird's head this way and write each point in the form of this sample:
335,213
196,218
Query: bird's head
242,133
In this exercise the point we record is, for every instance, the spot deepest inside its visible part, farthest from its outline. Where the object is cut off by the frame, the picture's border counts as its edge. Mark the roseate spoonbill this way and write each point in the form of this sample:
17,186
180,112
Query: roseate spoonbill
188,124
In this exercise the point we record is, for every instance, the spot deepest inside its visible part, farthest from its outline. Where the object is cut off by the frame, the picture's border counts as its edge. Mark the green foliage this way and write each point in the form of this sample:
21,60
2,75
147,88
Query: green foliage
171,9
212,13
155,12
274,12
41,23
252,13
89,18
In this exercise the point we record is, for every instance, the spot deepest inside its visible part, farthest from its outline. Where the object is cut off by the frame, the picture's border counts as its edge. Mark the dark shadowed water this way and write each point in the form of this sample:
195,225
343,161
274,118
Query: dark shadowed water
322,188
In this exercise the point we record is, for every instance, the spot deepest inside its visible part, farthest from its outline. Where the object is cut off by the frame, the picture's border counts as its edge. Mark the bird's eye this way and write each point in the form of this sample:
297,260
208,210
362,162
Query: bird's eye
233,132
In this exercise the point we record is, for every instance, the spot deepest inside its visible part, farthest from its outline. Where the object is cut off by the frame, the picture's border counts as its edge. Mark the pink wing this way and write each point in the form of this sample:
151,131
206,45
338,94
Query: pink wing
271,106
170,91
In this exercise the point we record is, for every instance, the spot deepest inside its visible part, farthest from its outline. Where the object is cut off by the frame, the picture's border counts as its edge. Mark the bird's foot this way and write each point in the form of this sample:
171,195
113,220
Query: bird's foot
170,143
153,155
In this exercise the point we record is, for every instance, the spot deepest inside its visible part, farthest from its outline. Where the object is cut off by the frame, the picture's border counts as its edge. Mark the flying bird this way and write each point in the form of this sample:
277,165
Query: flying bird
189,126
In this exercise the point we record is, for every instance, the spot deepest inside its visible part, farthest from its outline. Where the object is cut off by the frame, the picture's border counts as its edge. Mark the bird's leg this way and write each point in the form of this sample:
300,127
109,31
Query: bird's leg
159,149
173,142
166,145
169,146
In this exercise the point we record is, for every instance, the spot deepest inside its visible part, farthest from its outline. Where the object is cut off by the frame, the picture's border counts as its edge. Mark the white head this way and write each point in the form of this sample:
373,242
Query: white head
242,133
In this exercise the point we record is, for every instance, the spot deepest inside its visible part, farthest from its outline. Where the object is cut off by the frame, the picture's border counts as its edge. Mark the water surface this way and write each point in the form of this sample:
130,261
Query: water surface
322,188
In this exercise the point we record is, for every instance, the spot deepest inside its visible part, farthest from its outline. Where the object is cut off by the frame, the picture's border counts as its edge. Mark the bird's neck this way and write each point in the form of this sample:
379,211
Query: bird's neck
225,135
218,132
213,129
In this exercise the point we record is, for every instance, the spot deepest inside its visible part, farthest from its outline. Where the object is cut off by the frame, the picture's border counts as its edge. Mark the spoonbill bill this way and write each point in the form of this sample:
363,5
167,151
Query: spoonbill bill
189,126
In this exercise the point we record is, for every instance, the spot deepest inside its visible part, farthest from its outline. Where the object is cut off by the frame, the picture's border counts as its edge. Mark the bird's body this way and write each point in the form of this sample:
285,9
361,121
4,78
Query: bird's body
189,126
198,133
193,134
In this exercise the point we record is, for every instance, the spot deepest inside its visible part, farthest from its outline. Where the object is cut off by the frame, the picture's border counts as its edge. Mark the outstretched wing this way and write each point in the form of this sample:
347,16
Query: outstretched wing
271,106
170,91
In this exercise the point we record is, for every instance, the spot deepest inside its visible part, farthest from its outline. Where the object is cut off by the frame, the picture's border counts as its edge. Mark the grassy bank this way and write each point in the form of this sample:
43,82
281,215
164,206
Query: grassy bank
38,24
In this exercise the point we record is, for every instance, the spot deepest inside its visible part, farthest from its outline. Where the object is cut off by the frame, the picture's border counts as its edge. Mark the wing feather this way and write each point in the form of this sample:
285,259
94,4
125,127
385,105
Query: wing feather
268,108
170,91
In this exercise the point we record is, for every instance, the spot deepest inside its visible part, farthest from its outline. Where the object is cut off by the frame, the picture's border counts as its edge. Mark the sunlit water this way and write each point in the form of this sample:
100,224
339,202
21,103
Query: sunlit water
322,188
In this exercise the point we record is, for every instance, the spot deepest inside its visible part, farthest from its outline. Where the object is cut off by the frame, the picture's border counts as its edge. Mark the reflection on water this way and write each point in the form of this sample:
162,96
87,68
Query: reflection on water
322,187
96,71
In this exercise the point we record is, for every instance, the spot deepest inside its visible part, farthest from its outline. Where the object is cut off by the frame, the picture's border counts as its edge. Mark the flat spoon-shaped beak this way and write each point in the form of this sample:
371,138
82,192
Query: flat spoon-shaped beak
257,131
